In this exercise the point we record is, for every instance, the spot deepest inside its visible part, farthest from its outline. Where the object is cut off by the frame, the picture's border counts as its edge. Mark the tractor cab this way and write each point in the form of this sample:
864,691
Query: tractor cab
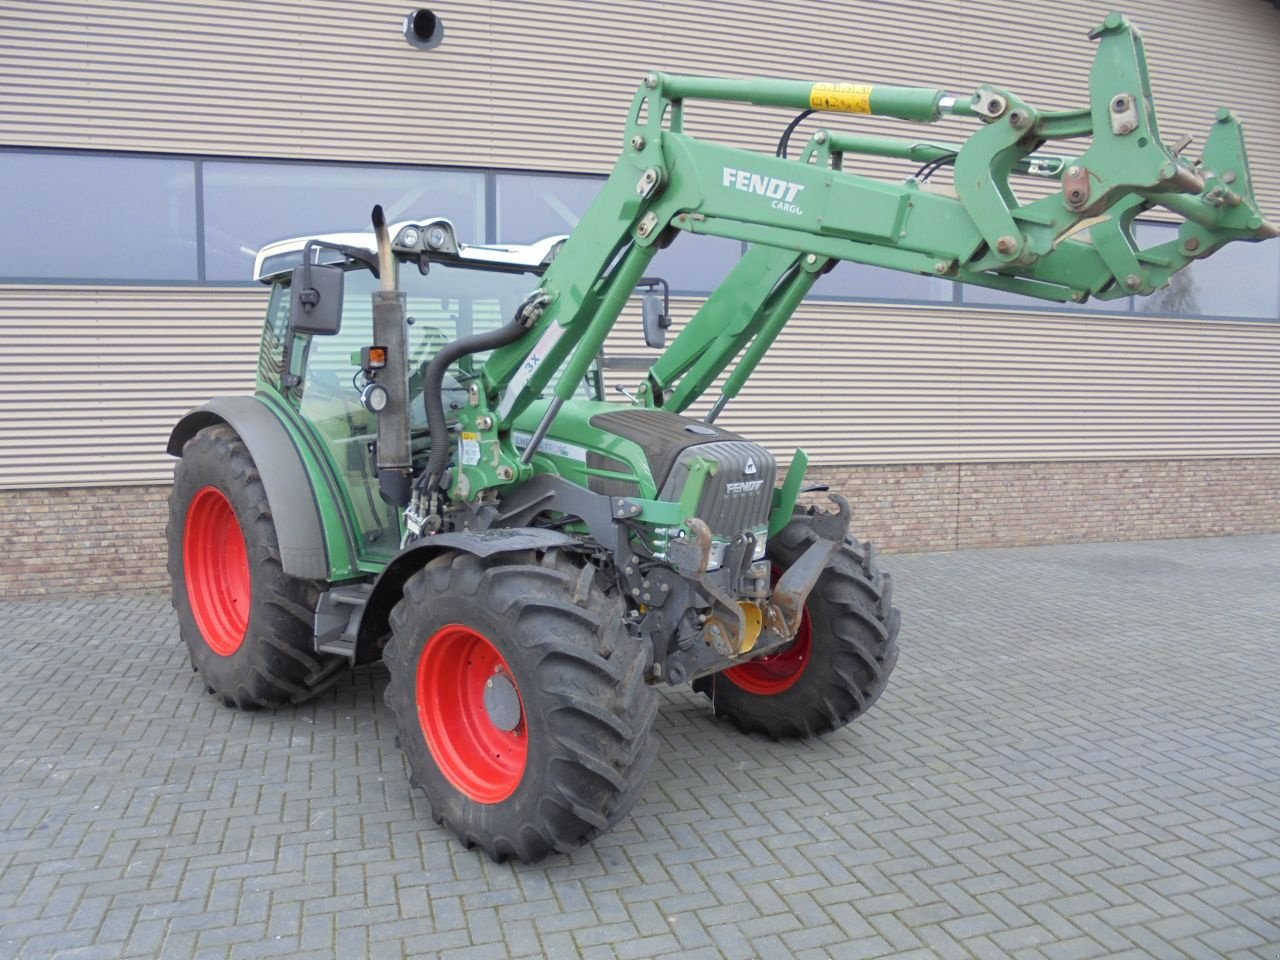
328,376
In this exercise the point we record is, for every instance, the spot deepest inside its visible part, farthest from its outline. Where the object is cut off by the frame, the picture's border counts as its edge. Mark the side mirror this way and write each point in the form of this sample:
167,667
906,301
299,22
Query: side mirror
316,305
656,320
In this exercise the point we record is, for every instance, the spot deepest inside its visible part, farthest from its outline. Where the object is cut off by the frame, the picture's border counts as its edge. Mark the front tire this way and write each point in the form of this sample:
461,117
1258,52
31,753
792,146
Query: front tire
520,701
841,658
248,626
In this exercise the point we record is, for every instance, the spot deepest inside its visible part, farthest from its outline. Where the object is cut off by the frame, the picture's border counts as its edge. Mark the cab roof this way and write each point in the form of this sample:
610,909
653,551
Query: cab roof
279,258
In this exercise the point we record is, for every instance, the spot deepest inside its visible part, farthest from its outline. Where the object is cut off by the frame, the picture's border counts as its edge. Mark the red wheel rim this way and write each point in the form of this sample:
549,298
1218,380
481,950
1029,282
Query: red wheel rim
216,564
483,760
775,672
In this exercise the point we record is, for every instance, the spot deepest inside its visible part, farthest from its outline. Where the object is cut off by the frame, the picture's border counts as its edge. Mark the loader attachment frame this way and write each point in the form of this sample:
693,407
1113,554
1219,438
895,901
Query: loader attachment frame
800,216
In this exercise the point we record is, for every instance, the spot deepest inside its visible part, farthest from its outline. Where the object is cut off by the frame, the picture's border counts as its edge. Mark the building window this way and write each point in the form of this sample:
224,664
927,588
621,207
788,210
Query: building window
248,205
157,219
532,207
861,281
1242,280
72,216
696,264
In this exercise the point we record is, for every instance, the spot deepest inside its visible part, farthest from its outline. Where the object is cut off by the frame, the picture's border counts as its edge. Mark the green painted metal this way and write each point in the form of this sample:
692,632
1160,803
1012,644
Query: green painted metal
341,531
808,211
785,496
800,215
731,309
684,509
1048,166
880,100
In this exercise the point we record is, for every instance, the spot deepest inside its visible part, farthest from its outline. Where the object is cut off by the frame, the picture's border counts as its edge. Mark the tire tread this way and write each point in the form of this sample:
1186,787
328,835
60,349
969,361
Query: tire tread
589,679
280,666
863,648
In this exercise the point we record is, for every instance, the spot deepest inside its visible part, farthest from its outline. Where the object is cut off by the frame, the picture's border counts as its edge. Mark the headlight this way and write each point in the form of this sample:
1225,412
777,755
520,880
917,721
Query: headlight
374,397
718,548
762,541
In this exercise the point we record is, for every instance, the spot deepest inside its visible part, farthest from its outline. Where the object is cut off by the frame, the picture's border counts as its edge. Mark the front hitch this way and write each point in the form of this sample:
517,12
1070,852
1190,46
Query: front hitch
792,590
737,628
727,629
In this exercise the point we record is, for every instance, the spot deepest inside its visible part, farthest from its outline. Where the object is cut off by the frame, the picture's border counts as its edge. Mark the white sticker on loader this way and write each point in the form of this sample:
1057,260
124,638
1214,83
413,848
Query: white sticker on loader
559,448
528,368
469,449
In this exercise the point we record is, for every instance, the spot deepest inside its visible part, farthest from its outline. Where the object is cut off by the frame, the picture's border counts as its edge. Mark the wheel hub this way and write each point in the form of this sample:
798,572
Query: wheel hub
471,714
215,561
502,702
778,671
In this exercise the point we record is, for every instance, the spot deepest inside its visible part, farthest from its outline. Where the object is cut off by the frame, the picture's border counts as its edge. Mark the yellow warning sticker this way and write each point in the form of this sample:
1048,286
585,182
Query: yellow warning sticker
841,97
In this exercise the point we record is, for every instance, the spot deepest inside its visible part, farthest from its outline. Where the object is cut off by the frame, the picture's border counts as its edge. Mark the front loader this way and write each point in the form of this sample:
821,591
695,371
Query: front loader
428,472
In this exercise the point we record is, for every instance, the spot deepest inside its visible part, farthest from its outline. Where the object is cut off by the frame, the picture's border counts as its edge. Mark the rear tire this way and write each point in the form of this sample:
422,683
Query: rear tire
520,701
247,625
842,656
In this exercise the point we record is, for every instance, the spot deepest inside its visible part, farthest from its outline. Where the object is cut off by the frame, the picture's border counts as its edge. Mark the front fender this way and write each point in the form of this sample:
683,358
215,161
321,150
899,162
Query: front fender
375,623
290,494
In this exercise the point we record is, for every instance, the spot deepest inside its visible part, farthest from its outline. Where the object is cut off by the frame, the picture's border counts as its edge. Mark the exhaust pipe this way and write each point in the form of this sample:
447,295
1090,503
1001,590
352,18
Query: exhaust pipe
423,29
394,451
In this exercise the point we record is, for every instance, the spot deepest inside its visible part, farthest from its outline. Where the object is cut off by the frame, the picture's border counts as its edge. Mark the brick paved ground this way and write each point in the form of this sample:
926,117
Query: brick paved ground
1078,757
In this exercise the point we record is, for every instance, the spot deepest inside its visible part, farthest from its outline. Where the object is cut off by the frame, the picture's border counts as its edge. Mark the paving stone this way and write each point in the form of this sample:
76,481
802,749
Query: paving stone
1078,757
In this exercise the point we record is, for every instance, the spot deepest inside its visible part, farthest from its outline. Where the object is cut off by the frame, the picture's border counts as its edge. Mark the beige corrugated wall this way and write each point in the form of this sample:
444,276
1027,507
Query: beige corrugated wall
851,384
93,380
929,384
544,85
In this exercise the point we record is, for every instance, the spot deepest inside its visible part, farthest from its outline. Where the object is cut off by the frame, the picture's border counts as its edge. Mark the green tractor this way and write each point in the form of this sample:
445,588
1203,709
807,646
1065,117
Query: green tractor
429,472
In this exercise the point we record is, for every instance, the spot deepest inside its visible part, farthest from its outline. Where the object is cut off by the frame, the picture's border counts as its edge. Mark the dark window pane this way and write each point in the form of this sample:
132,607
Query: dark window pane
532,207
862,281
695,263
87,217
989,296
1240,280
247,205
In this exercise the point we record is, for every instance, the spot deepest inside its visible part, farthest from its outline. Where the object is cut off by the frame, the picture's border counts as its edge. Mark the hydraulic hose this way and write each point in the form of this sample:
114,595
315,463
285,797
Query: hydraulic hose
433,388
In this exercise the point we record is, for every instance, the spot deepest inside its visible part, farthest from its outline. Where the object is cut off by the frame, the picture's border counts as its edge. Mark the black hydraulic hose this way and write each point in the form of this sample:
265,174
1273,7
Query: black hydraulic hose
433,389
785,140
933,166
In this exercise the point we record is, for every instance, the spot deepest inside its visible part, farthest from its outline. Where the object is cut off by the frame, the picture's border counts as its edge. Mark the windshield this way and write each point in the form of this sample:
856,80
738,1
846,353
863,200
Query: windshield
448,303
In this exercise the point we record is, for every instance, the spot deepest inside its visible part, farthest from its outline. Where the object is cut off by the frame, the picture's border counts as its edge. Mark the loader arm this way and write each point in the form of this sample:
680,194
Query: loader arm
800,216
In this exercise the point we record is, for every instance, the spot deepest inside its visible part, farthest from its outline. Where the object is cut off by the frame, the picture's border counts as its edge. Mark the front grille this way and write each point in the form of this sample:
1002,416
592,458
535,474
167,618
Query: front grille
732,501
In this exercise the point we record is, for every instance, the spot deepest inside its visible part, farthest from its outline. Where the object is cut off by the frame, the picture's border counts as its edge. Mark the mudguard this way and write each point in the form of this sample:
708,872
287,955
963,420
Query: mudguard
485,543
375,622
299,527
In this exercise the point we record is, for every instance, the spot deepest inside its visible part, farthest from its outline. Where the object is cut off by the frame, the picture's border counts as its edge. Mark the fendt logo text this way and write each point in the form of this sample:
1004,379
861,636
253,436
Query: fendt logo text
781,192
743,486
